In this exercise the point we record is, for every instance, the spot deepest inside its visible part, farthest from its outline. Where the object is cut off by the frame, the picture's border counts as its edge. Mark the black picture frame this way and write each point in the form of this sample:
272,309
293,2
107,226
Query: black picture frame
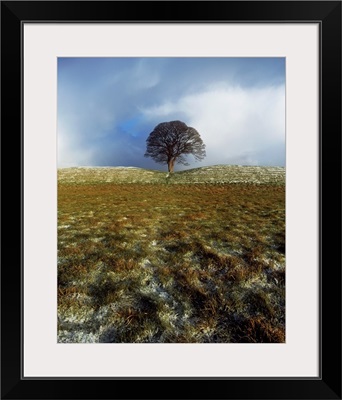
328,384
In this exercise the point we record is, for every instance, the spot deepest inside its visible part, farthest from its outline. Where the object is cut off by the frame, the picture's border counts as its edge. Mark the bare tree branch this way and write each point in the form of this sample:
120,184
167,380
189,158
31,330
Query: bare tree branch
170,143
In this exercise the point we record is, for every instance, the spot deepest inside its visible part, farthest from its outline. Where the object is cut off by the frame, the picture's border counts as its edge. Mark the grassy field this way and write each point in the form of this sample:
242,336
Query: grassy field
198,258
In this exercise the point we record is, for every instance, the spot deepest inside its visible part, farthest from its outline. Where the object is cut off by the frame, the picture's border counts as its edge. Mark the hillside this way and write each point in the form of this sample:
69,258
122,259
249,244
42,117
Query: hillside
199,260
217,174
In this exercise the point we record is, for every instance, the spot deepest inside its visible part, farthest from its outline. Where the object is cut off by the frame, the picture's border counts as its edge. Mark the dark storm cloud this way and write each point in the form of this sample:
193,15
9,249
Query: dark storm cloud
108,106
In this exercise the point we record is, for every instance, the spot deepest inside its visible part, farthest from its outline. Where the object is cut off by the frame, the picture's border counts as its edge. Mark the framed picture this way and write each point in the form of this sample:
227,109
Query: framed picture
114,272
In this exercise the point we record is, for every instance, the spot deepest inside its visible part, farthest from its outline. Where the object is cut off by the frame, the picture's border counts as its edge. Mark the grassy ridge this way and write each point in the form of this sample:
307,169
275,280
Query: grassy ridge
217,174
184,263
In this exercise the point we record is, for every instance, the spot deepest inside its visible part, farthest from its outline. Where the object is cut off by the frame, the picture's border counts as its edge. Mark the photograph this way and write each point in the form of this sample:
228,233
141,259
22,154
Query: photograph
171,200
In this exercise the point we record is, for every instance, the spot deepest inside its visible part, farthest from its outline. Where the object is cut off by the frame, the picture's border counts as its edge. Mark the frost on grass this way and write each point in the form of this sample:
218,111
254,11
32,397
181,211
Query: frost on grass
187,263
217,174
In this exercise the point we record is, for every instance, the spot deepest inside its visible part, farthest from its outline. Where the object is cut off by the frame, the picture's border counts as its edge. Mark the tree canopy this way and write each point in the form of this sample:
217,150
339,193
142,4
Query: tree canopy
170,143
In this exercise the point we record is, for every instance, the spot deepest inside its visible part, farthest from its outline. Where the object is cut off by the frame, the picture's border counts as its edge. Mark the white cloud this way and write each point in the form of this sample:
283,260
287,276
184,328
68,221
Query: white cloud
66,145
234,123
107,108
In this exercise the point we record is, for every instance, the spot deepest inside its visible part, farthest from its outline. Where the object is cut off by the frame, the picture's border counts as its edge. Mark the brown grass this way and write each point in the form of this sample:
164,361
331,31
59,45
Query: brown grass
145,263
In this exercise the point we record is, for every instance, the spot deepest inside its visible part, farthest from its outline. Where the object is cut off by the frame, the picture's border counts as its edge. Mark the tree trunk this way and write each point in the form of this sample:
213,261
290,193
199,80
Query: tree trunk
171,165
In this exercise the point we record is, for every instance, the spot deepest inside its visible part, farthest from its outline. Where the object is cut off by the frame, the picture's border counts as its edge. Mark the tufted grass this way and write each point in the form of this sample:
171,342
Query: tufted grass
181,263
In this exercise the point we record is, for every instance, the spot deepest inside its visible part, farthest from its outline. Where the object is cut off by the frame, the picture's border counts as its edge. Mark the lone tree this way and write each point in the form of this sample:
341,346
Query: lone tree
171,142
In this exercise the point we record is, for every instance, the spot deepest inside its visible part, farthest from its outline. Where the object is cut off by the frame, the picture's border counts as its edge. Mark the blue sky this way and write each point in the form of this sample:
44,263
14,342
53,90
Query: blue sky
107,107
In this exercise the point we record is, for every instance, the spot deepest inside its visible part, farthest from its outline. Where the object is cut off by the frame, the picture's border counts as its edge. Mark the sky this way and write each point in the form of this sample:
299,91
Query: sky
107,107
